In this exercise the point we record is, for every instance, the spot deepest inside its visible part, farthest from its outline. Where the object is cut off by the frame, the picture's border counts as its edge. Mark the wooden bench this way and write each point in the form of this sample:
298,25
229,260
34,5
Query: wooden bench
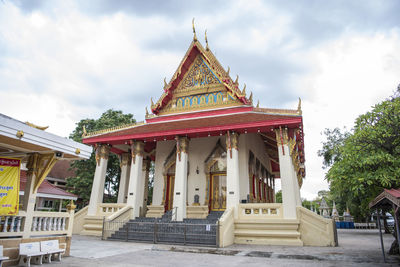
30,252
52,250
2,258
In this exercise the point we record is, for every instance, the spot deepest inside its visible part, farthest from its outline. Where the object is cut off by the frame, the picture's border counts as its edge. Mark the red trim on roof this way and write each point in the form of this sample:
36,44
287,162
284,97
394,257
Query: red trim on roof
249,127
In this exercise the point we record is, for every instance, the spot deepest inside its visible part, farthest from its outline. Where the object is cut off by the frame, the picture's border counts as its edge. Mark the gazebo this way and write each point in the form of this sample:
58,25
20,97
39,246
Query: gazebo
388,199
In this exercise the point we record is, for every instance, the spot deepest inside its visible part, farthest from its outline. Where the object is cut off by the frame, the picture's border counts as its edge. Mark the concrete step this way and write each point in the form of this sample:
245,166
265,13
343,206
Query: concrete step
269,241
266,233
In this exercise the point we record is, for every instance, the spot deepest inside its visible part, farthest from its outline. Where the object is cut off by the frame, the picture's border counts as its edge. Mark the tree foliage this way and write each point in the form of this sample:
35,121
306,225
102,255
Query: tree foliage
367,160
81,184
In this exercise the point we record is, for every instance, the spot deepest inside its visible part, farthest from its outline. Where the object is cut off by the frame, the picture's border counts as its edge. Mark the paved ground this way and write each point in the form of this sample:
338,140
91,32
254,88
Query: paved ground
356,248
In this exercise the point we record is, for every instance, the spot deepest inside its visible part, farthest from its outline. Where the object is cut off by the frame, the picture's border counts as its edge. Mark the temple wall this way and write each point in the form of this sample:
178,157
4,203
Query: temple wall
199,149
162,151
257,146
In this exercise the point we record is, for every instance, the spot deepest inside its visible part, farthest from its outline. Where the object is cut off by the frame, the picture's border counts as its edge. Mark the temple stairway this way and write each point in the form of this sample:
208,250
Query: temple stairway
165,230
268,232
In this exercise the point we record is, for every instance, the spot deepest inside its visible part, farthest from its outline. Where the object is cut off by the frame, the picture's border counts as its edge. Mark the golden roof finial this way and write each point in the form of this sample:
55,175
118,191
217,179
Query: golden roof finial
36,126
194,31
244,90
237,79
165,82
299,106
84,133
251,98
152,103
147,112
258,103
206,40
229,69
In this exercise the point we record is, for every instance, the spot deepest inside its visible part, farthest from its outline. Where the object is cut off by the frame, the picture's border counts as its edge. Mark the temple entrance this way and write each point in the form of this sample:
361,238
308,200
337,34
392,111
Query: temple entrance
218,192
169,194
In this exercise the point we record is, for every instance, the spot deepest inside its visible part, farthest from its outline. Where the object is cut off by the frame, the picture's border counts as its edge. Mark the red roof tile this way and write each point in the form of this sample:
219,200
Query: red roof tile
45,187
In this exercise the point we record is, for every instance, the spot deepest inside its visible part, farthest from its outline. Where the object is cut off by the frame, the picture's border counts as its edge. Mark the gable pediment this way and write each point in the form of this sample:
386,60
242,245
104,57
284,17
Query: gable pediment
200,83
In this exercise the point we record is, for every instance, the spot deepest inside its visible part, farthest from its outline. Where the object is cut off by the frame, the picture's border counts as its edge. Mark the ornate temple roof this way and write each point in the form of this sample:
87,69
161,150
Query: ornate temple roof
201,100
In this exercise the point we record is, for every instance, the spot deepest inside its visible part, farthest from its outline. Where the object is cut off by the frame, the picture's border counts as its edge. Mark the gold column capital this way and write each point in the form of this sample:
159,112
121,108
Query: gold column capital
232,141
137,149
102,152
182,145
125,159
281,136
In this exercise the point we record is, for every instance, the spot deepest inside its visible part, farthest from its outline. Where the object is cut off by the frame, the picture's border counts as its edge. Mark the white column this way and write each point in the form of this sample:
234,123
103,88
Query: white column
135,178
96,196
180,187
29,196
289,184
232,172
144,185
125,161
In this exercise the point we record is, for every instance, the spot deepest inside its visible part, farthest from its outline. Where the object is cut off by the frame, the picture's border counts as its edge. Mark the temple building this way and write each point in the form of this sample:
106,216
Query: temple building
213,151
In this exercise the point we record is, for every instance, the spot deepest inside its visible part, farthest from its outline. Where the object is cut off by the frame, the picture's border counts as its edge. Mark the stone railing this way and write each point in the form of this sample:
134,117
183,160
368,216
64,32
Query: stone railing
260,211
12,225
107,209
50,223
43,223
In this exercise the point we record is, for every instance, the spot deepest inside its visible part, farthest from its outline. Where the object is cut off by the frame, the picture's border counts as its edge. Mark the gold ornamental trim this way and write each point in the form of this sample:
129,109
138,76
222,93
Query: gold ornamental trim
113,129
102,152
125,159
137,149
182,145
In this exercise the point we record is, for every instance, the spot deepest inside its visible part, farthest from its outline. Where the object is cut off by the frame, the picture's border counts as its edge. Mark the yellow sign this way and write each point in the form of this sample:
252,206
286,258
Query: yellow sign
9,186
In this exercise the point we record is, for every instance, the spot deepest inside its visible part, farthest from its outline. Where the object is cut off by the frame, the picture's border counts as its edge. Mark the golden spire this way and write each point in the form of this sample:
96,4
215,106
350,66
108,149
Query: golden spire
244,91
194,31
147,112
206,40
152,103
237,79
258,103
299,107
229,69
251,98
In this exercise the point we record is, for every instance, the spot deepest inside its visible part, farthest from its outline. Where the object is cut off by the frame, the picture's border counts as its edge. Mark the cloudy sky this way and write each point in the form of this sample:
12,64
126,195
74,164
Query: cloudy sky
62,61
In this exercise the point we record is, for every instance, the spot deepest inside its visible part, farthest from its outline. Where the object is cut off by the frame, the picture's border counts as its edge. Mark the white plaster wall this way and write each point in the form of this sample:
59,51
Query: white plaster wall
163,149
253,142
199,149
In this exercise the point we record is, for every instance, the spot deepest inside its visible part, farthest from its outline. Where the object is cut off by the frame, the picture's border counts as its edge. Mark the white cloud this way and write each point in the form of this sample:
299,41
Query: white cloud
59,64
350,75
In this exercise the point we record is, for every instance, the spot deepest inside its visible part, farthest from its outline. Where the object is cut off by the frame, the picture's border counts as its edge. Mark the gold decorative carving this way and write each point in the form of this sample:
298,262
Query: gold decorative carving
102,152
71,206
194,31
125,159
20,134
299,107
40,165
137,149
247,211
77,151
205,34
36,126
182,145
232,141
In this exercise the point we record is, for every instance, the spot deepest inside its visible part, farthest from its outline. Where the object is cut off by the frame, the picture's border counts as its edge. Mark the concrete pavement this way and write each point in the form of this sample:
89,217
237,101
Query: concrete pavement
356,247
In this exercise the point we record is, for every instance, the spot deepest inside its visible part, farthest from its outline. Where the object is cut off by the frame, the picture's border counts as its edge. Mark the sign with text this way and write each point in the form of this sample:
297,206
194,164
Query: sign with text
9,186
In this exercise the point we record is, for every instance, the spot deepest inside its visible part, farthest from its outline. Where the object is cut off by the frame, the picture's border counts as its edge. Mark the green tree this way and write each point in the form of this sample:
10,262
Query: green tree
367,160
81,184
278,196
